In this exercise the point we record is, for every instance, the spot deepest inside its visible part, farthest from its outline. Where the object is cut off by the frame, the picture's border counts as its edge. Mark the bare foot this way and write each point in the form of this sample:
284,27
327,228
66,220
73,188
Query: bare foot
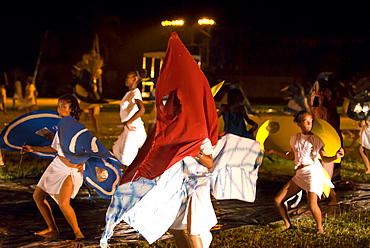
367,172
48,232
320,231
79,235
287,228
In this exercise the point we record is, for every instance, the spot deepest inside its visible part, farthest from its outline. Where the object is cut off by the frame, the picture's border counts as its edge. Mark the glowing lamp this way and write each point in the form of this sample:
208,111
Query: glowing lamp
171,23
206,21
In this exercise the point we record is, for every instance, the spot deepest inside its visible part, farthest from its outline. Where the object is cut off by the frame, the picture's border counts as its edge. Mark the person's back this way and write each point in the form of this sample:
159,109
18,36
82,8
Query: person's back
235,115
235,124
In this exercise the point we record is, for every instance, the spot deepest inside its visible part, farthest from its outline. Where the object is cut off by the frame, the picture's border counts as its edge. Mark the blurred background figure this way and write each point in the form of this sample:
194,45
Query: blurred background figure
88,84
18,95
235,115
246,101
364,146
2,164
297,99
324,106
16,78
3,87
30,96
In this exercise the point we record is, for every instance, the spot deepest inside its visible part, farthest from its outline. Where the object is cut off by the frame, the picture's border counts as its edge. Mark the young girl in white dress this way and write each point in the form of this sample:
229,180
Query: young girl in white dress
306,150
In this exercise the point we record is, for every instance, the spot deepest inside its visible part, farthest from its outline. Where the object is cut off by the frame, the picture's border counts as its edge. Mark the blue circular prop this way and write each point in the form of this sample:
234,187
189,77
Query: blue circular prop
36,128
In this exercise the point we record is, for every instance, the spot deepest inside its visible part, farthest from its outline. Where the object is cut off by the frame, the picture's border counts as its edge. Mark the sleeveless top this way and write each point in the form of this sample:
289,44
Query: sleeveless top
235,124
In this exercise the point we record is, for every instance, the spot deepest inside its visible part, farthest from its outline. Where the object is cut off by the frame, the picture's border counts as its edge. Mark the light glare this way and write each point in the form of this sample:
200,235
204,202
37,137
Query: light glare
206,21
168,23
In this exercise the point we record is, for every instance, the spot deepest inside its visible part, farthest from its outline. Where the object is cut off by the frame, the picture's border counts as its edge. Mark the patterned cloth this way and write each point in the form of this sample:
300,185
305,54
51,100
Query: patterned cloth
79,145
151,206
236,161
184,120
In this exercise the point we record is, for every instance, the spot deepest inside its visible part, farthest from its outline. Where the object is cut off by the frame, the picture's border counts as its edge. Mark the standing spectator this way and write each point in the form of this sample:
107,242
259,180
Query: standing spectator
30,96
17,77
3,86
2,164
18,95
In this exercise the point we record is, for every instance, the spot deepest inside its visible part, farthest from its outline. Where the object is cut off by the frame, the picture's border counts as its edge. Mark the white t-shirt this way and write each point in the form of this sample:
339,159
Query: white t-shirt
306,148
128,106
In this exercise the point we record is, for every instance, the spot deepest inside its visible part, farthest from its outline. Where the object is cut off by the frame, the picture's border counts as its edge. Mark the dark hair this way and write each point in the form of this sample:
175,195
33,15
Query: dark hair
139,73
235,98
75,107
298,117
30,80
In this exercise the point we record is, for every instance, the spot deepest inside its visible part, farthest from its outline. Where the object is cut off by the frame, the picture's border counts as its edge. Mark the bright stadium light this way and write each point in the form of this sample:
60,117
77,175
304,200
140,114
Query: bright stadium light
206,21
173,23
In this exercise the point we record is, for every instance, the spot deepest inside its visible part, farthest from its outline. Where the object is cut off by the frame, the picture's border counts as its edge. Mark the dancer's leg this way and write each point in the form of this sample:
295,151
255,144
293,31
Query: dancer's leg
39,197
286,192
66,208
316,211
364,157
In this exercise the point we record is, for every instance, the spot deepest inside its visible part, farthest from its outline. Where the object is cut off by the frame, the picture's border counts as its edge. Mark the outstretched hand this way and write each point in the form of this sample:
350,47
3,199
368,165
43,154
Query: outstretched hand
26,148
340,153
80,167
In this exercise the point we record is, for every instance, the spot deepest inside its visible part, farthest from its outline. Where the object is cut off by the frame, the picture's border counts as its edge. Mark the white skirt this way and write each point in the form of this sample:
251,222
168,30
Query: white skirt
54,176
312,179
128,144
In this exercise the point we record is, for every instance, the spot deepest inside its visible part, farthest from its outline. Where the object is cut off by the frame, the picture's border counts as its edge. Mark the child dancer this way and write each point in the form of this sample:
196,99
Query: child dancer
306,150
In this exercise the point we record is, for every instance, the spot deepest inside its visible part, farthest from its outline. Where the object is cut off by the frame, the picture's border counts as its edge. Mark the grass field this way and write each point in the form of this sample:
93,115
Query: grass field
343,230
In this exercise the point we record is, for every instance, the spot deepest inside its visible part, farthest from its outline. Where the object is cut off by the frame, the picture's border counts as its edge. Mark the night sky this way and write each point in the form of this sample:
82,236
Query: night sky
23,23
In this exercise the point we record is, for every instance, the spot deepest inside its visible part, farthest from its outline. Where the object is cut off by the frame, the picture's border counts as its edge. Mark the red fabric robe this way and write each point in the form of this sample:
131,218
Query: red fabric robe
188,117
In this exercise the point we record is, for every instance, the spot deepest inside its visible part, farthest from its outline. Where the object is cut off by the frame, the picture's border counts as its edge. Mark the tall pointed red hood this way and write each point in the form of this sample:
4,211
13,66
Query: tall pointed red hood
183,122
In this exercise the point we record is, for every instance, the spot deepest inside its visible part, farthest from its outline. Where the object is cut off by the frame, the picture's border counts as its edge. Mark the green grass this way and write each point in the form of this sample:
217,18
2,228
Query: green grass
345,229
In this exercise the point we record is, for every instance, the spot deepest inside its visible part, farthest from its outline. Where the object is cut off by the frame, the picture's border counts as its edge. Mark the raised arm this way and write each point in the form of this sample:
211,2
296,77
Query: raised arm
288,155
326,159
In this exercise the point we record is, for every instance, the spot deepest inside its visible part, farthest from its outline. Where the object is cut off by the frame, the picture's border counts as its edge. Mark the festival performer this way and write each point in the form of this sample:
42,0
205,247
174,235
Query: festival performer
131,109
61,180
306,150
235,115
168,185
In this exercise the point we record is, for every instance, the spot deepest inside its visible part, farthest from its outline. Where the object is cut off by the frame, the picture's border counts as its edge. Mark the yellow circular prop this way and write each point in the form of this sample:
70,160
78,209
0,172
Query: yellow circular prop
328,135
275,133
